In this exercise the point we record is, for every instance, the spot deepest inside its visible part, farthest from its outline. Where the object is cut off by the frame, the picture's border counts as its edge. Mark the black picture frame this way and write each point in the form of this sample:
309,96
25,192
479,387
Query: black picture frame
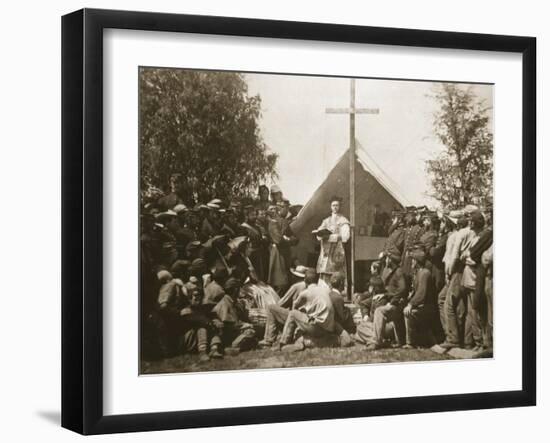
82,218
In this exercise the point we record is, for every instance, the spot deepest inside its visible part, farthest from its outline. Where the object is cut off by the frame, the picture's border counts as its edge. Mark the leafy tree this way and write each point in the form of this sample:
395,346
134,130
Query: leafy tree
463,172
203,125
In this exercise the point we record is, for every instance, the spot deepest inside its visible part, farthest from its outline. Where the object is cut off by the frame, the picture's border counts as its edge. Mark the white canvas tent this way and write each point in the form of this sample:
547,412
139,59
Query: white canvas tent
372,187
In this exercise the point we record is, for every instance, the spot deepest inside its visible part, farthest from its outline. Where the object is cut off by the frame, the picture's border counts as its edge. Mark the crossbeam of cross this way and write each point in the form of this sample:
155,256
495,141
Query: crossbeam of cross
352,111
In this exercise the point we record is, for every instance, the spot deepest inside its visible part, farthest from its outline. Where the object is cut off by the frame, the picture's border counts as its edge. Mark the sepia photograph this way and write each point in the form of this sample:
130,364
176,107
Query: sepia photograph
299,221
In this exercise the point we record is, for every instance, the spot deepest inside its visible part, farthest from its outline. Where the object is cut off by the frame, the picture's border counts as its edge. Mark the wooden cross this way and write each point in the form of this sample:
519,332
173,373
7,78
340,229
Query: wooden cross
352,111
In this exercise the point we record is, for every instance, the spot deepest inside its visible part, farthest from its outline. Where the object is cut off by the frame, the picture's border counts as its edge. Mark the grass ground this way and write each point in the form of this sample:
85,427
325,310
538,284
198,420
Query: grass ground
267,358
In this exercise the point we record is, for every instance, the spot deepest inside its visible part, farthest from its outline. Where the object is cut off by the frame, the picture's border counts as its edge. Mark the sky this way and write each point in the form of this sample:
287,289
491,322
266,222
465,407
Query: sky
295,125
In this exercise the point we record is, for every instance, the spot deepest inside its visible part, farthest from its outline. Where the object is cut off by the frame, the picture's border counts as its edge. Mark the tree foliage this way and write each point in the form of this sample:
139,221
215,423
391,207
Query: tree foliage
463,172
203,125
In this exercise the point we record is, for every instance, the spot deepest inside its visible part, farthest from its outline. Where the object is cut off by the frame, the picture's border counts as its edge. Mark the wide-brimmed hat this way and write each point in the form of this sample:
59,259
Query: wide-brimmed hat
195,244
470,209
450,219
168,244
197,265
236,242
275,189
180,266
217,240
164,275
180,208
299,271
166,216
456,214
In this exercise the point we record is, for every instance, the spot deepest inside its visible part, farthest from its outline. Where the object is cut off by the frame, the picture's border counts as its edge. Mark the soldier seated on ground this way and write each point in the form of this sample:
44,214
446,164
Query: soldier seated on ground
213,291
420,310
169,303
311,316
236,333
296,288
344,324
366,332
369,300
364,299
199,328
386,319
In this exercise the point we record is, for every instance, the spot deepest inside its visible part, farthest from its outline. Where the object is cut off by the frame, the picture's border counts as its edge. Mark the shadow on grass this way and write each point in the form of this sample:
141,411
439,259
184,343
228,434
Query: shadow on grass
269,359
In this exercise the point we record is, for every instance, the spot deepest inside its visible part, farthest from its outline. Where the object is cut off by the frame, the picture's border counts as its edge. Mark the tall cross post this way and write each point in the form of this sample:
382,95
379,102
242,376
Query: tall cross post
352,111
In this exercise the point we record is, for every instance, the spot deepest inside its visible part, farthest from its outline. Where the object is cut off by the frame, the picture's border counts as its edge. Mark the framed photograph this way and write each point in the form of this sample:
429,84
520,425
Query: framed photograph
269,221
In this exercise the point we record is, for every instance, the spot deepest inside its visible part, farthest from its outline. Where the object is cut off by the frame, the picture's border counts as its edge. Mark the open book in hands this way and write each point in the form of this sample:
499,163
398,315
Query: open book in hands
323,233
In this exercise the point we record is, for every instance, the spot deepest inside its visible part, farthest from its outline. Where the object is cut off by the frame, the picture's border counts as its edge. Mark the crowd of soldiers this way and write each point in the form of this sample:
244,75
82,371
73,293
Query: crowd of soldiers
218,278
209,270
434,282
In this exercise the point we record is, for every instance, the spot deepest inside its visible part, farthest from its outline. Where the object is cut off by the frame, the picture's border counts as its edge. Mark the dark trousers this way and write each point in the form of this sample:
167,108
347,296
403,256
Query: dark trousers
455,308
418,326
473,332
384,315
195,340
238,336
442,307
487,324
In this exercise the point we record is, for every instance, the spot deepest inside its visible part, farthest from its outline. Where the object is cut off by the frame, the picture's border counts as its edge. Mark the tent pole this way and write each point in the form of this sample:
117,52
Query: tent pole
352,182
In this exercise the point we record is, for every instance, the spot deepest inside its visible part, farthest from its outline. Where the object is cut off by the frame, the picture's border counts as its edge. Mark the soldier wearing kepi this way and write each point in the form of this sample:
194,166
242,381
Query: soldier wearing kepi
420,310
396,236
413,232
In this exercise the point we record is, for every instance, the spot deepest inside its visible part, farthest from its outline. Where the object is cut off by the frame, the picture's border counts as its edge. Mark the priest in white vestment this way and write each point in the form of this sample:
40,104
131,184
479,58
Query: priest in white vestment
333,233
